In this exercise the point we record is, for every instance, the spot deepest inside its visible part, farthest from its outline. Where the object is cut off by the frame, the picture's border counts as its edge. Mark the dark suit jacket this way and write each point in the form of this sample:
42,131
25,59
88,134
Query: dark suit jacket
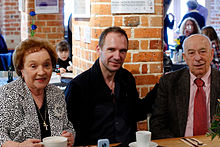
170,113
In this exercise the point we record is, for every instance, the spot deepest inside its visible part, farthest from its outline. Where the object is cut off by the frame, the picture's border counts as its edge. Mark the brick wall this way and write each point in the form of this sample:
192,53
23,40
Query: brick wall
144,58
50,26
10,22
214,14
1,13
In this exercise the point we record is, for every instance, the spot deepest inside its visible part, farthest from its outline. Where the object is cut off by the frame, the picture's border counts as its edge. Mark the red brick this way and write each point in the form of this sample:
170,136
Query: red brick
147,56
46,29
54,29
155,44
132,21
94,56
101,21
93,44
59,17
117,21
133,68
146,79
144,21
128,57
46,17
101,9
144,44
144,91
39,35
144,69
38,23
147,33
128,31
55,36
88,55
96,33
54,23
158,9
156,68
156,21
133,45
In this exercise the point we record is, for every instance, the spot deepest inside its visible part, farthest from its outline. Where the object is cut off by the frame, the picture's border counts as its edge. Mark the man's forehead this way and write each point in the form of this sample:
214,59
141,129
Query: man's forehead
197,42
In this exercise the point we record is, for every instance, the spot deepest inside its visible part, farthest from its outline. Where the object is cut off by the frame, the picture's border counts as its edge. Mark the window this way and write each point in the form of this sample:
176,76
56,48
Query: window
67,11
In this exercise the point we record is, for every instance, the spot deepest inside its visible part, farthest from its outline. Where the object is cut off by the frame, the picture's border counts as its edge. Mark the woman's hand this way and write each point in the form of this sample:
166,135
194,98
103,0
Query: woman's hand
31,143
69,68
27,143
62,70
70,138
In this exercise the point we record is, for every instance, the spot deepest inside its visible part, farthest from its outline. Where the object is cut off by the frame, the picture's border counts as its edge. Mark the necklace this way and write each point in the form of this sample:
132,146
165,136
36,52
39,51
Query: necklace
44,119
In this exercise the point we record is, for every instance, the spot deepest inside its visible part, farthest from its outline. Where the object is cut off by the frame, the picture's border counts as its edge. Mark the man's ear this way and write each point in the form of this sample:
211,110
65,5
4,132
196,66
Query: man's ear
98,49
184,56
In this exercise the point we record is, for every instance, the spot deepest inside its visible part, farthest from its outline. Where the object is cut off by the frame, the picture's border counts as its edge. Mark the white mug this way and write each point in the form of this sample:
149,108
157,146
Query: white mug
55,141
143,138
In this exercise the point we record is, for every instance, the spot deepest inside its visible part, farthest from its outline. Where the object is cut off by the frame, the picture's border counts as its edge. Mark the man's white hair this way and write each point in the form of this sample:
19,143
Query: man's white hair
184,42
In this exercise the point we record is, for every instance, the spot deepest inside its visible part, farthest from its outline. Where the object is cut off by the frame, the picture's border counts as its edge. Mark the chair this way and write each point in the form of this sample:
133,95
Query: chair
6,61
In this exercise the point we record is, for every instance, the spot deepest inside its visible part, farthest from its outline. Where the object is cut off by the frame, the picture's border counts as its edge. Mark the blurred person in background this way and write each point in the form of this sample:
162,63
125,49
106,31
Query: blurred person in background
213,36
192,5
188,27
64,60
168,21
3,46
202,10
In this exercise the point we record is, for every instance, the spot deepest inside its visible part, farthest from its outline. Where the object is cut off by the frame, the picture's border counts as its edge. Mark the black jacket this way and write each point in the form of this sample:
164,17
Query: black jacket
97,114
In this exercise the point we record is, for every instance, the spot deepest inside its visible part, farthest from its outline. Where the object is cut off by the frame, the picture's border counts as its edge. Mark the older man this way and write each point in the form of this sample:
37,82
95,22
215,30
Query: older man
186,99
103,102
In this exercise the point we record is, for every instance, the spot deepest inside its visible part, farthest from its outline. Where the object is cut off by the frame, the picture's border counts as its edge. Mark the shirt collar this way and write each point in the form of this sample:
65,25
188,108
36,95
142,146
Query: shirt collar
194,11
205,78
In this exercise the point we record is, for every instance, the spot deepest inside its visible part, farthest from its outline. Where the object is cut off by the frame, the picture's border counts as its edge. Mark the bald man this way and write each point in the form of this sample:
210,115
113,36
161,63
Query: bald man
180,99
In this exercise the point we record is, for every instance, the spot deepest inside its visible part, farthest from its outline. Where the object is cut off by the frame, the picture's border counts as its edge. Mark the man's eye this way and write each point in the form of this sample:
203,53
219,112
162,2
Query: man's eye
33,66
123,51
203,51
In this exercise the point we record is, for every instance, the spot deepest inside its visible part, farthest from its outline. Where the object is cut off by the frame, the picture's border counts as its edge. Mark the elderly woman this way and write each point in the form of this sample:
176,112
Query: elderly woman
188,27
31,109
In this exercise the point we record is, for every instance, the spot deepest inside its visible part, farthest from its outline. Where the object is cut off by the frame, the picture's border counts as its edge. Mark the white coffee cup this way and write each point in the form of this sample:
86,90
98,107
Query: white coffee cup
55,141
143,138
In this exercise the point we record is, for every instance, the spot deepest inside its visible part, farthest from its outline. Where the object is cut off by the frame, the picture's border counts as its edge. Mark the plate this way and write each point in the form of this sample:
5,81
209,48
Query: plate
134,144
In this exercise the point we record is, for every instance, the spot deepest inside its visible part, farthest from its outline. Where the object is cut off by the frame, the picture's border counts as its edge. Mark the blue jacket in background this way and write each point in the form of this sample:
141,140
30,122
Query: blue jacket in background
3,46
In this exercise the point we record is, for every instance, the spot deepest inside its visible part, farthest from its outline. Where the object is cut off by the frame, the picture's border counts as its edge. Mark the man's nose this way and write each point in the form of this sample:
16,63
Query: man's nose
197,56
117,55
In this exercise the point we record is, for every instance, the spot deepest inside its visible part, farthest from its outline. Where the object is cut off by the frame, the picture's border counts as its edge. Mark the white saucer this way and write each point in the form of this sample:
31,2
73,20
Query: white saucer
134,144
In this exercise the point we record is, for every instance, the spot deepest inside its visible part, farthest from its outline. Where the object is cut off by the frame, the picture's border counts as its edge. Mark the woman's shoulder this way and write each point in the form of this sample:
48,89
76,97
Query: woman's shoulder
53,89
10,92
12,86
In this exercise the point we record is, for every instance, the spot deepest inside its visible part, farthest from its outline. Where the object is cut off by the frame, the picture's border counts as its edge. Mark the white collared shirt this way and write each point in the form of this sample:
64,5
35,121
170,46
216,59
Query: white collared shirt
193,88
